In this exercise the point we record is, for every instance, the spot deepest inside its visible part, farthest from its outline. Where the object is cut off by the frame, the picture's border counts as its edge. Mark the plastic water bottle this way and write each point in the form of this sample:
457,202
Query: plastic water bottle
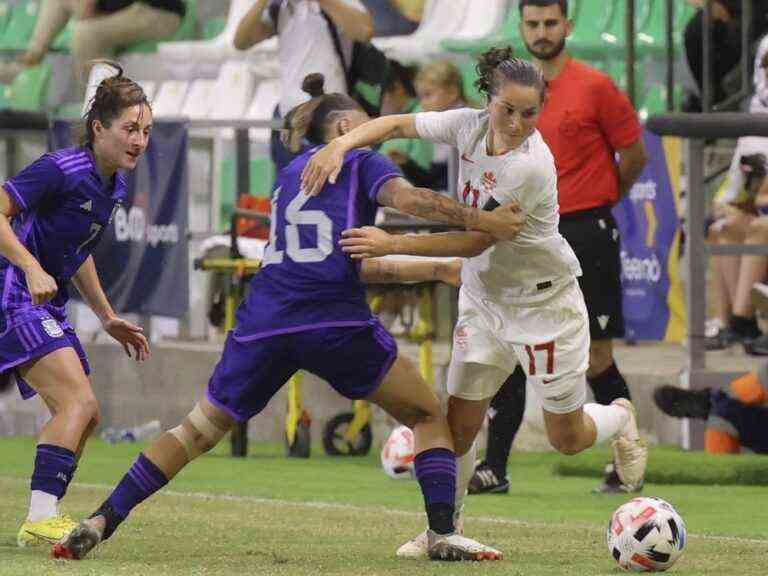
148,430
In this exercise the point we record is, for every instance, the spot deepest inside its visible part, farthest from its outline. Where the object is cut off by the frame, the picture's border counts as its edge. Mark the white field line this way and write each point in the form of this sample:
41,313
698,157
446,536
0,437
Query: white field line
388,511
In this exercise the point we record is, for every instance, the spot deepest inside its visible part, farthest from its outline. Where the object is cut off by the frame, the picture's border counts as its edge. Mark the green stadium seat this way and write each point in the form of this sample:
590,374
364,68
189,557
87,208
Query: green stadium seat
5,15
468,77
29,90
262,173
186,31
63,40
19,27
213,27
591,19
654,102
651,25
508,34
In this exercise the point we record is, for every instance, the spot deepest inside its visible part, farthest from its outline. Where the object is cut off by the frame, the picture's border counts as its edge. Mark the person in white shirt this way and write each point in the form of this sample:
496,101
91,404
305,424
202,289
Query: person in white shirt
519,300
305,45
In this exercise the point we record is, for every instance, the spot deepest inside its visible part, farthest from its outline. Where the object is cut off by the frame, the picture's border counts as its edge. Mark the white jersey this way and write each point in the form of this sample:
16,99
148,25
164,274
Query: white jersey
522,270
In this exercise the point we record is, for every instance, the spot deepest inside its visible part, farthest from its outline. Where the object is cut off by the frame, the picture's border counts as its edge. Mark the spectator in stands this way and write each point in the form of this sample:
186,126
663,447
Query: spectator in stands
739,214
101,26
395,17
595,137
305,45
740,218
736,415
725,45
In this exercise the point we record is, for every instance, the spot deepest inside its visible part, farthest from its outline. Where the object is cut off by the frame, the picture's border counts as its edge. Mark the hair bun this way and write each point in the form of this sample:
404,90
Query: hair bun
313,84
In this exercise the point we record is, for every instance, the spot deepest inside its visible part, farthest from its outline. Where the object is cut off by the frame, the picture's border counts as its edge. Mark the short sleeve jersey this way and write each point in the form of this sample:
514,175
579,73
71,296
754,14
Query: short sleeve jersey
306,281
511,271
64,207
585,119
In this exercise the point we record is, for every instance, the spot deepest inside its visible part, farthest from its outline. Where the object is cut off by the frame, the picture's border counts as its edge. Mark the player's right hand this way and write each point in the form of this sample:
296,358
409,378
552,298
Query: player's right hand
504,222
42,287
324,165
367,242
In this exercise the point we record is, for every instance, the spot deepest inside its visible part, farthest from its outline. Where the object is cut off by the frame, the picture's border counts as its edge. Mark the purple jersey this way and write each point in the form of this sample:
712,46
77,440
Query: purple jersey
64,208
306,281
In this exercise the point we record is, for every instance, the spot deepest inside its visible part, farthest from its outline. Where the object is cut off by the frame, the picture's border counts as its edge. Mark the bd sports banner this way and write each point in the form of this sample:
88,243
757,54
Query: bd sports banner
142,260
650,241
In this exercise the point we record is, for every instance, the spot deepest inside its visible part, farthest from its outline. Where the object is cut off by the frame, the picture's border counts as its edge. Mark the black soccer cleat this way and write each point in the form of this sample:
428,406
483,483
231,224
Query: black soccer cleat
486,481
681,403
612,484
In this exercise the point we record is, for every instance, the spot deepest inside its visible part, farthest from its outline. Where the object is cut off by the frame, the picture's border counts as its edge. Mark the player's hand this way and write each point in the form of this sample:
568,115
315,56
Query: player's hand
324,165
41,285
130,336
450,272
367,242
504,222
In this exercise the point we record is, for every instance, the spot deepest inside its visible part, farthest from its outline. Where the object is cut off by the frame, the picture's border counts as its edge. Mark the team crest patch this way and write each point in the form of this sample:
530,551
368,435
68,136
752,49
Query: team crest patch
52,328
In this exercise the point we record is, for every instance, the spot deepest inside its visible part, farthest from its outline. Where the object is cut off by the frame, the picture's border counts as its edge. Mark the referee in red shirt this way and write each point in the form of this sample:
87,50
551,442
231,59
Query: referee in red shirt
596,139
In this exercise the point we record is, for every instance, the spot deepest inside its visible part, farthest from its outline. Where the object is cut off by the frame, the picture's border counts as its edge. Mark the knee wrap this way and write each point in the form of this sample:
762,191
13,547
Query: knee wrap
203,426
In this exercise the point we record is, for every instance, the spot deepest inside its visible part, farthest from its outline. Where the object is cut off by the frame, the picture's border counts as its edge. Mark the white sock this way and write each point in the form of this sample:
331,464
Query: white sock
609,420
465,467
42,506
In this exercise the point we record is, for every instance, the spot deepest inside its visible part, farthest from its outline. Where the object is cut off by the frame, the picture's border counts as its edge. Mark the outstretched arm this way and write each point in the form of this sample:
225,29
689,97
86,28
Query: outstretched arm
86,280
356,24
370,242
251,30
503,223
326,163
392,271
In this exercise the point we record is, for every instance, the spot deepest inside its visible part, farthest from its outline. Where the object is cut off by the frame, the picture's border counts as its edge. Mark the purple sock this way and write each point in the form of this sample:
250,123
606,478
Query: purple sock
54,466
436,473
71,476
142,480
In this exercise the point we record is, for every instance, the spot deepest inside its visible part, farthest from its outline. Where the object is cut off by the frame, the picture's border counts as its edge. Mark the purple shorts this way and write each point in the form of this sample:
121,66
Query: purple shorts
353,360
35,336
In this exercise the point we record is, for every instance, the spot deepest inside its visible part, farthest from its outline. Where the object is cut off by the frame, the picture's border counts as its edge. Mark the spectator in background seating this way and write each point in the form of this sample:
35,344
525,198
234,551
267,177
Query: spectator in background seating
736,414
725,43
305,46
101,26
439,87
395,17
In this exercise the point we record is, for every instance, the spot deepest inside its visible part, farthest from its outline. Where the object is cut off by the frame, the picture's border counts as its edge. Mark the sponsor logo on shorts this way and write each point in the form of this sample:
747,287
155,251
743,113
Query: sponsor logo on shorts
52,328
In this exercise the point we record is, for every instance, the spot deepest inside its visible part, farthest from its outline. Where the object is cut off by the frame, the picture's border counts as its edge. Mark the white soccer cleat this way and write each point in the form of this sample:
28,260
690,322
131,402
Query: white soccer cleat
455,547
418,547
415,548
629,450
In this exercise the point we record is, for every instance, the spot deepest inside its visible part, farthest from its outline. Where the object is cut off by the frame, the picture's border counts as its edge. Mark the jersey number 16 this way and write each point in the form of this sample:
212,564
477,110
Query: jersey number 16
294,217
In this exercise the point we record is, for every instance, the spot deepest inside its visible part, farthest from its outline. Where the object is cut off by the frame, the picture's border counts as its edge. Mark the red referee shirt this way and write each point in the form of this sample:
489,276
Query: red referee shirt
585,119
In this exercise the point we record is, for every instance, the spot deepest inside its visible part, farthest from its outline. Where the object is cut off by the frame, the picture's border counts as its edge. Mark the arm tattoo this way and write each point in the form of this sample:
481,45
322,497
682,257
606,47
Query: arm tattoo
427,204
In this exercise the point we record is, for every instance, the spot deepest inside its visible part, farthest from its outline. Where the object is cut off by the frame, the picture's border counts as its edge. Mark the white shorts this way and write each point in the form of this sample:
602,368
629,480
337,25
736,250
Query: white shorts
549,339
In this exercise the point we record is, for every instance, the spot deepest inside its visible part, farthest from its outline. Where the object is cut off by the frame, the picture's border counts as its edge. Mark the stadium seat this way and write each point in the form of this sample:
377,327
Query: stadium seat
213,27
199,101
477,25
233,91
19,26
654,102
5,15
63,40
215,49
508,33
468,77
185,31
170,98
651,25
591,19
262,107
29,89
149,88
441,20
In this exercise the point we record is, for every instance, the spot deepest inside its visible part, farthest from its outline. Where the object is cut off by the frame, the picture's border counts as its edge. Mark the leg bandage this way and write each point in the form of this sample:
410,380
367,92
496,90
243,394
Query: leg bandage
202,426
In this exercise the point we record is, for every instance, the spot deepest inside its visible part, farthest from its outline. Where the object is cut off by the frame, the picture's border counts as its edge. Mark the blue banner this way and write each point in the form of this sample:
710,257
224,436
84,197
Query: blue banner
143,259
649,224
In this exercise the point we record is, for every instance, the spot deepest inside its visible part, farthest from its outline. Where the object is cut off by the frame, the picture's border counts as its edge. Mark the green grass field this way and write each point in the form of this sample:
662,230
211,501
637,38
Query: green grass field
271,515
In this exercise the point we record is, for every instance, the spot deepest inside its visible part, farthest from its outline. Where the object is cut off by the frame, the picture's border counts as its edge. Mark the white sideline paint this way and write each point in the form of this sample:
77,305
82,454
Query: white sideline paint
386,511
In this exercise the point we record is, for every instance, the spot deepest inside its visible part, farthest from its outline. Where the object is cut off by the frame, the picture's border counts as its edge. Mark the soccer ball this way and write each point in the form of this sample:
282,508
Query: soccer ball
646,535
397,453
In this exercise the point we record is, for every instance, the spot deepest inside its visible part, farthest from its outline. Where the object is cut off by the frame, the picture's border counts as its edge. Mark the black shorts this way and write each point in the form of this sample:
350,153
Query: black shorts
594,237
